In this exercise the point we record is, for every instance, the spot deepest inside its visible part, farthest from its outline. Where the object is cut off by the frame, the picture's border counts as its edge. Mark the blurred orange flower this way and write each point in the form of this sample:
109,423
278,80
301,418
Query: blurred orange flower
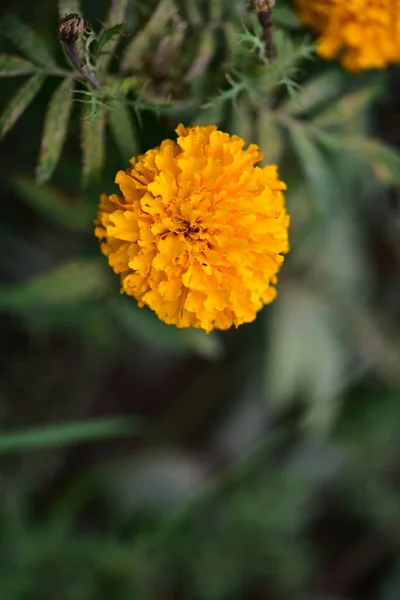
364,34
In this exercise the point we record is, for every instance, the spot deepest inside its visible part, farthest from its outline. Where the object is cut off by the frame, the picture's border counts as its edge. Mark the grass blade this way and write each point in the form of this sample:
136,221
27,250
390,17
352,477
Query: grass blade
66,434
12,66
26,40
122,129
55,130
19,102
116,16
92,142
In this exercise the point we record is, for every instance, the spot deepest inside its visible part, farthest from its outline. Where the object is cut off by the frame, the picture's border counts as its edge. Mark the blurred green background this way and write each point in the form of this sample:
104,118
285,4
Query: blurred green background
138,461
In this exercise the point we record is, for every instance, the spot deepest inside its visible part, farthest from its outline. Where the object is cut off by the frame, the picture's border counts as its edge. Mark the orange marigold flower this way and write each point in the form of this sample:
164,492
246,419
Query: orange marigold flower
364,33
199,231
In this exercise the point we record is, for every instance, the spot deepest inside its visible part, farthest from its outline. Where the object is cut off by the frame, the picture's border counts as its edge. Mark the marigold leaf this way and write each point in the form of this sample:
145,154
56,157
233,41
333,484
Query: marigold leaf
92,142
206,49
286,17
122,129
54,205
55,130
348,109
384,160
26,40
107,36
65,285
315,168
111,37
19,102
66,7
316,368
153,27
212,114
12,66
144,325
269,137
65,434
319,90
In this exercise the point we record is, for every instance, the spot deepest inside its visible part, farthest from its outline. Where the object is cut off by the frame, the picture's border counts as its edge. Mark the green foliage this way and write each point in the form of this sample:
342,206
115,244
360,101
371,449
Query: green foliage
19,102
142,461
55,130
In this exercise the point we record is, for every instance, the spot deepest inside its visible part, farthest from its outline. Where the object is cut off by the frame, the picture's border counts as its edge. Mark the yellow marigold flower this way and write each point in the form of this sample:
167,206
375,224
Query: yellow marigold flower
364,33
199,231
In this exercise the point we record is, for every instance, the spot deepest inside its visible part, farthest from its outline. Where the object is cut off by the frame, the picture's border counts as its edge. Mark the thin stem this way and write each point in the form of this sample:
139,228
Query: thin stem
72,53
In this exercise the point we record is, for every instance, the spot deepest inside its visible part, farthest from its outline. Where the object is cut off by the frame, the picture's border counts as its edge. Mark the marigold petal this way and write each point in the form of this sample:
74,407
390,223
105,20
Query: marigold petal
199,232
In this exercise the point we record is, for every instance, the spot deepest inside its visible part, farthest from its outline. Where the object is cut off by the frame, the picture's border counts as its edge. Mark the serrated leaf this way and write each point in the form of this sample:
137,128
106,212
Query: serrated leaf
122,129
114,26
65,7
384,160
19,102
64,285
319,90
51,203
12,66
315,168
154,26
348,109
55,129
92,142
26,40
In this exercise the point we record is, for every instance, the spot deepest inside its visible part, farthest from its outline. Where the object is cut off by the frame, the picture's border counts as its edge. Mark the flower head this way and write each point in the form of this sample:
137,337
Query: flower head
199,231
364,33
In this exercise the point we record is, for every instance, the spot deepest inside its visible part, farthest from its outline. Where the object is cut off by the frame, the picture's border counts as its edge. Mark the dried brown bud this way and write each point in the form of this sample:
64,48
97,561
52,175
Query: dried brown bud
70,28
262,5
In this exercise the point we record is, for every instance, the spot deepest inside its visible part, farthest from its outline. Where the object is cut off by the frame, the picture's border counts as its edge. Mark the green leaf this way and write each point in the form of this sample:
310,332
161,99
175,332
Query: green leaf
108,35
19,102
55,130
143,324
12,66
315,168
348,109
205,53
111,37
93,151
26,40
269,137
320,89
122,129
65,7
53,204
66,434
65,285
286,17
155,26
384,160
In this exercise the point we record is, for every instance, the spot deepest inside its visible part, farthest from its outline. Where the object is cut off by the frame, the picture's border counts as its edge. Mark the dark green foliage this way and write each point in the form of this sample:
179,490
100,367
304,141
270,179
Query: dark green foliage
139,461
